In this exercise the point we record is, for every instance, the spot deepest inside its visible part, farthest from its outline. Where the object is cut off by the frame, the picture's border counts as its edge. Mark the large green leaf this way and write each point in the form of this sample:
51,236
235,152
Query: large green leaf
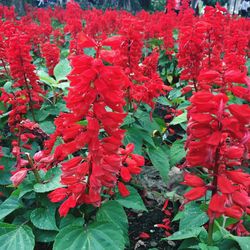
114,213
9,205
133,201
15,237
160,160
62,69
101,236
244,242
177,152
44,218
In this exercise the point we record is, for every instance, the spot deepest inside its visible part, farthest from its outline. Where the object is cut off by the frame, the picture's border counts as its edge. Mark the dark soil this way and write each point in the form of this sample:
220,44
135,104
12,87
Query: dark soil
145,222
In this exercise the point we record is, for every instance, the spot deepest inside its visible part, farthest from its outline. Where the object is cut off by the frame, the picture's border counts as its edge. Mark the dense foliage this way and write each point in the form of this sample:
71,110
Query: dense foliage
89,100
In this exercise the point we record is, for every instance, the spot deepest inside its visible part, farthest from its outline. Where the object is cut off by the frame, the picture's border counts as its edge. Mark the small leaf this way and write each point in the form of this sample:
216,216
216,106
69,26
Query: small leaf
101,236
46,78
185,234
15,237
179,119
160,160
62,69
44,218
163,101
48,127
53,182
133,201
177,152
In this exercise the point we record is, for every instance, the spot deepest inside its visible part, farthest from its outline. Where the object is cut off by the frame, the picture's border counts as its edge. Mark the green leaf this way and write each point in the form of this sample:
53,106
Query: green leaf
133,136
43,76
185,234
8,87
71,220
160,159
9,205
45,235
101,236
191,243
48,127
193,216
52,182
62,69
44,218
244,242
177,152
14,237
133,201
203,246
114,213
128,120
179,119
83,123
163,101
5,175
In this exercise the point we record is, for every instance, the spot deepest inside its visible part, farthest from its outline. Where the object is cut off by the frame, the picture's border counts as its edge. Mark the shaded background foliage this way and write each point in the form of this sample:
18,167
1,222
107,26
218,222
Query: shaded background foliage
130,5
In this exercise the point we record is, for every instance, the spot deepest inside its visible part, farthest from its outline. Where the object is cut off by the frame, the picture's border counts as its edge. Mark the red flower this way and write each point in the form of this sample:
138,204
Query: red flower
19,176
234,212
217,205
58,194
123,189
65,207
195,193
193,180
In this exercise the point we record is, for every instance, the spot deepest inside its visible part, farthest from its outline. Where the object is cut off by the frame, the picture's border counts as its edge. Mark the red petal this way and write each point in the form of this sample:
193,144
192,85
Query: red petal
123,189
225,185
144,235
193,180
125,174
195,193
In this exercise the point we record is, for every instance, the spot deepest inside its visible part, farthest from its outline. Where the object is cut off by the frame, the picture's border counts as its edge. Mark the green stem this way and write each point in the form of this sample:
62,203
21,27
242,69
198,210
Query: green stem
37,176
210,232
34,170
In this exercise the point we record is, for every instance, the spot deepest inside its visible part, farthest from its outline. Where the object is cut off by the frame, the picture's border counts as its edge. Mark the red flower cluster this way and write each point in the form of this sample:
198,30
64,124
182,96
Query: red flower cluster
51,53
218,140
100,89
